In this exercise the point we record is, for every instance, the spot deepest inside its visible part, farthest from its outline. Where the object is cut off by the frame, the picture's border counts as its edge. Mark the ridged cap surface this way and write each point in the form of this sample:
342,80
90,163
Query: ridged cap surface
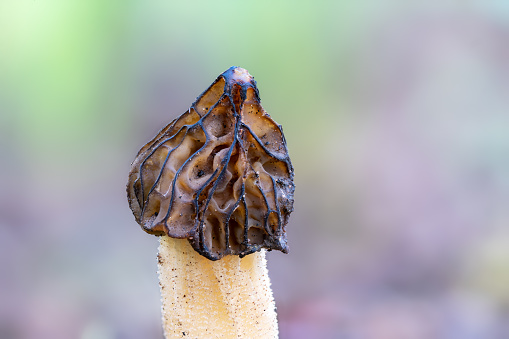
219,175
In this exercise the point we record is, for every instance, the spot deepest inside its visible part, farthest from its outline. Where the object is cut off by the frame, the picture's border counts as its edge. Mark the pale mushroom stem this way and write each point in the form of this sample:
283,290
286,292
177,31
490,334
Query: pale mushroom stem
227,298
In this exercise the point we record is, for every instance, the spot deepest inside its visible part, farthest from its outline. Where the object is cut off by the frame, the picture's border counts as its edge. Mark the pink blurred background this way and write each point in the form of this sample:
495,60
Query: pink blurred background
397,120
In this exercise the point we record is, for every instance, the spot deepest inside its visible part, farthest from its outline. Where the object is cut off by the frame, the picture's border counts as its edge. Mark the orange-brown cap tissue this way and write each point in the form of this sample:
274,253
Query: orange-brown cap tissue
219,175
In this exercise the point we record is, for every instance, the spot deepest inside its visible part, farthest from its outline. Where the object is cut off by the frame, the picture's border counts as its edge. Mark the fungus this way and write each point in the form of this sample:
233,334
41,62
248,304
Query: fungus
217,185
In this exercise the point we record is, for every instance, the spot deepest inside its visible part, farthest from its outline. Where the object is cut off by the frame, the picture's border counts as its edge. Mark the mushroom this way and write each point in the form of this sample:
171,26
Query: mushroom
216,185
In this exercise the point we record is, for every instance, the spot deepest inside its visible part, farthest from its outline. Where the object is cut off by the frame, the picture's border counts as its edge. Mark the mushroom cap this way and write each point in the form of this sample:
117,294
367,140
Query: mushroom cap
219,175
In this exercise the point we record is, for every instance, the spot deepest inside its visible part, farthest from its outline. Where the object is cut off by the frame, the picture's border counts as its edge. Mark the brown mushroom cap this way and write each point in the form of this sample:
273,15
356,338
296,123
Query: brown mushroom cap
219,175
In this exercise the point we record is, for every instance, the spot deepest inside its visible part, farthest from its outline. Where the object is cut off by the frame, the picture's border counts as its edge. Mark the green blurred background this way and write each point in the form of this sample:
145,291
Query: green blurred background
397,120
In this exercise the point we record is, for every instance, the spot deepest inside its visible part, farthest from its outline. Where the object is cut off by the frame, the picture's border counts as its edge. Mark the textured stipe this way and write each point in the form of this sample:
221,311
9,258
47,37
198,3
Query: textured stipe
219,175
228,298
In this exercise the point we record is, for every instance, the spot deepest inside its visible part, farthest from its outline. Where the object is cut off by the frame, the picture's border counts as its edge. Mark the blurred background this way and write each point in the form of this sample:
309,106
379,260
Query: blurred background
397,120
